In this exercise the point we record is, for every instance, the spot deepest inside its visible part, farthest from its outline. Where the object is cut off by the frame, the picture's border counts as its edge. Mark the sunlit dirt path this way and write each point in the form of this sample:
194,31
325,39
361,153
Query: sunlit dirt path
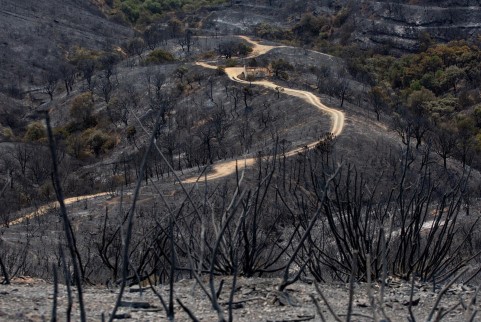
258,49
42,210
225,168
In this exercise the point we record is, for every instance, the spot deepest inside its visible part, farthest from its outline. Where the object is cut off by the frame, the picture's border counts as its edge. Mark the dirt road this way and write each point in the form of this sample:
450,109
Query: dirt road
42,210
225,168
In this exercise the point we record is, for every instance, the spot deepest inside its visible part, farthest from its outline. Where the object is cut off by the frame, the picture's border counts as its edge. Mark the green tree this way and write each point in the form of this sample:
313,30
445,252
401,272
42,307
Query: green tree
477,115
280,67
159,56
81,111
98,141
452,76
466,133
35,131
131,11
233,48
417,100
378,98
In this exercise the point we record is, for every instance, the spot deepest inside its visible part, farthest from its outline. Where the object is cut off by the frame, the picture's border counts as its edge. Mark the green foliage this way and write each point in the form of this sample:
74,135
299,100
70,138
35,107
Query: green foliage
131,11
35,132
233,48
438,87
438,80
341,17
231,62
7,132
477,115
280,68
312,26
180,73
442,108
81,111
418,99
87,60
416,85
142,11
440,68
266,31
97,141
80,54
159,56
60,133
153,6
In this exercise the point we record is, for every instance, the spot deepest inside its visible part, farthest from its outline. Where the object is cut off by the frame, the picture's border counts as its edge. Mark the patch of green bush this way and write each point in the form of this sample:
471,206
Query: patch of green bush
35,132
81,54
159,56
131,11
231,62
98,141
7,132
81,111
267,31
142,11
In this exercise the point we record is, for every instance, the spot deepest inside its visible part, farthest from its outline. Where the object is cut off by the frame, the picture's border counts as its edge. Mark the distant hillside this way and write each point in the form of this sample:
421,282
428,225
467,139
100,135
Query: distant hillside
399,25
37,34
406,24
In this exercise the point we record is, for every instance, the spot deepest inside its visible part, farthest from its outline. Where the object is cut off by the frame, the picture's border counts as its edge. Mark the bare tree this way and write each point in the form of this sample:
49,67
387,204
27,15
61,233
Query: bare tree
445,142
6,278
341,87
120,106
107,87
378,100
67,72
187,41
87,68
135,47
50,80
153,36
107,64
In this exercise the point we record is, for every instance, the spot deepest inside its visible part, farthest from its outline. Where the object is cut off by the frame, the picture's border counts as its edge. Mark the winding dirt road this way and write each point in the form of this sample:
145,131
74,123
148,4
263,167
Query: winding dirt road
42,210
225,168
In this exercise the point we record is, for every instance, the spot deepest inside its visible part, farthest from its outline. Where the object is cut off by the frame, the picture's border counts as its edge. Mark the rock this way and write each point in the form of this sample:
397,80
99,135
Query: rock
137,289
122,316
362,303
414,302
237,306
135,305
285,299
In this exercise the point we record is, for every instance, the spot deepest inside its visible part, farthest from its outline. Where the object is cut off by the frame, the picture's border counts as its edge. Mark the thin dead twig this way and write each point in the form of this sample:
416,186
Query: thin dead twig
443,291
74,254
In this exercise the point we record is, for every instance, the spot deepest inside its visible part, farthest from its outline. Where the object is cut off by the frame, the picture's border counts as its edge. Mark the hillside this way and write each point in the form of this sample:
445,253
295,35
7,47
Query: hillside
397,25
406,26
37,35
238,154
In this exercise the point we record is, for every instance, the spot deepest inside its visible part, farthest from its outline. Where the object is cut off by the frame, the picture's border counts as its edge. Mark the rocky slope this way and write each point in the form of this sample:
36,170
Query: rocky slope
403,26
256,299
